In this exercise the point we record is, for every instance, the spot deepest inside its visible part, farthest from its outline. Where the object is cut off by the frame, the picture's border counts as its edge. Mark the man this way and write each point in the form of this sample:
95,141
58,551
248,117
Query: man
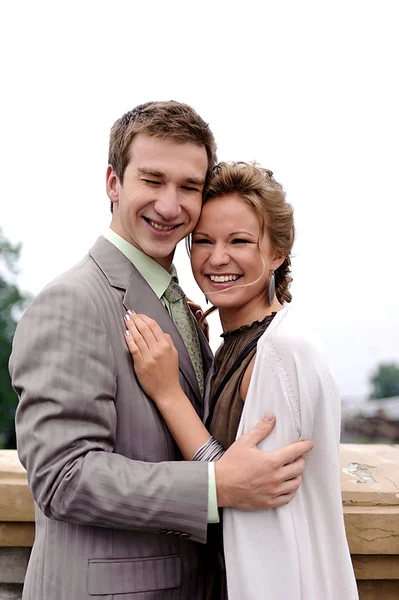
118,513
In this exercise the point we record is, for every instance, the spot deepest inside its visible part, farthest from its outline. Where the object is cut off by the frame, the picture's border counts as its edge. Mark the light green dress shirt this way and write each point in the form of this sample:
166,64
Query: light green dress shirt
158,279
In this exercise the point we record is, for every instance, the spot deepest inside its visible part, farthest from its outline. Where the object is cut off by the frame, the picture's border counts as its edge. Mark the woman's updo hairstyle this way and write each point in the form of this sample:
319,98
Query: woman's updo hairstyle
266,196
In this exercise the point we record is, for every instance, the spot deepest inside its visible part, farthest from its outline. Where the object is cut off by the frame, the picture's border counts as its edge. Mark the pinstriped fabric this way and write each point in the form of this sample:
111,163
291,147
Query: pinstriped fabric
104,471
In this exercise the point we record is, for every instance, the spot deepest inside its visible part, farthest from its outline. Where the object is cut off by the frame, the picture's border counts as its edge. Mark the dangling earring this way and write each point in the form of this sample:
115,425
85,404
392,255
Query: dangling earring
206,300
272,288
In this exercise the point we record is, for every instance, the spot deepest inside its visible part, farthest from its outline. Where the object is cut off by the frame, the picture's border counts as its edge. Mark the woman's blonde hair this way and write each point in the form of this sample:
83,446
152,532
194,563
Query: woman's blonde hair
266,196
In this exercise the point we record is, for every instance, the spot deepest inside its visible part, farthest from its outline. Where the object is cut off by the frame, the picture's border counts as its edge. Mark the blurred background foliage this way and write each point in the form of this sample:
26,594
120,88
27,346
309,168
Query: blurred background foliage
12,303
385,381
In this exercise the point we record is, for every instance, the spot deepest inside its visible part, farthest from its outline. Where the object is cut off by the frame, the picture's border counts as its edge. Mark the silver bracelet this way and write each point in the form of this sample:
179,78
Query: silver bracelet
209,451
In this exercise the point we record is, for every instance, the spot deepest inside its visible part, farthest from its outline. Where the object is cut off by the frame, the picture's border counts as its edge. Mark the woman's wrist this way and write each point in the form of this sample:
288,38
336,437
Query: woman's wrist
168,396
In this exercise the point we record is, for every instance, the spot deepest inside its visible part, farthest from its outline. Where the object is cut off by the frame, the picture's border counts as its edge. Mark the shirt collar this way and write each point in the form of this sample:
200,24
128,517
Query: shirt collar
156,276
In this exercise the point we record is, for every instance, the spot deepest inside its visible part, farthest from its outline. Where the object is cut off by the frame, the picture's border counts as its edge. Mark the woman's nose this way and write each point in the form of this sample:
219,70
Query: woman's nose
219,256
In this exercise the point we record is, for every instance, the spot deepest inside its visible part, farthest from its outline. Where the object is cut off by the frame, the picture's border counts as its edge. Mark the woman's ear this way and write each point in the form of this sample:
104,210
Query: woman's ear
277,261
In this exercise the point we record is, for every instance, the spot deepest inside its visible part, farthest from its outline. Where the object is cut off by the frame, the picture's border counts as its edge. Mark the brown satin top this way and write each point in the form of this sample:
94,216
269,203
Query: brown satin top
229,405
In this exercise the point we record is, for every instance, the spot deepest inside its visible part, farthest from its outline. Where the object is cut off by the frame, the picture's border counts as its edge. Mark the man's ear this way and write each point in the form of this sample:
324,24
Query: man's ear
112,184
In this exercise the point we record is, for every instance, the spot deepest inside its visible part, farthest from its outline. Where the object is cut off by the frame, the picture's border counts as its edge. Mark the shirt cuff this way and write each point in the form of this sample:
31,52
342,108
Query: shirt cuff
213,513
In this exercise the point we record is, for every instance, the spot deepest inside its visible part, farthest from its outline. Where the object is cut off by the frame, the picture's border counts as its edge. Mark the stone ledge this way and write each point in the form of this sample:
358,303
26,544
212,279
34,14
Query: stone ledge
10,591
370,495
13,563
378,590
369,474
375,567
16,502
17,534
372,529
369,484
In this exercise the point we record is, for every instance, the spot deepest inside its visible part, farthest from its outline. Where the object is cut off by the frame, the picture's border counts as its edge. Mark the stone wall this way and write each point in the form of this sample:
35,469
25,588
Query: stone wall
17,528
370,495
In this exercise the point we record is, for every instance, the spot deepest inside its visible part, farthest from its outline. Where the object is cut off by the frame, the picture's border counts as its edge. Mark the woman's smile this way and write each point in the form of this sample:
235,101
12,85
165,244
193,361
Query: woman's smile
223,280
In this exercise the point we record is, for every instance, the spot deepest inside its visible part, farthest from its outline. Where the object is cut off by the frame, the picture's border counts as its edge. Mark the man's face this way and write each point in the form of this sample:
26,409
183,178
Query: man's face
159,202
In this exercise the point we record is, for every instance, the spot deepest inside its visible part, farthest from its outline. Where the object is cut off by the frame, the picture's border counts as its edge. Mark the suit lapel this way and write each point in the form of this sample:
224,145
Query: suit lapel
139,297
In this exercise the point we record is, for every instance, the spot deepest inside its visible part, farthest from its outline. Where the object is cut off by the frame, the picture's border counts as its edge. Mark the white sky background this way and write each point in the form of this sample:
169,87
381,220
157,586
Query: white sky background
308,89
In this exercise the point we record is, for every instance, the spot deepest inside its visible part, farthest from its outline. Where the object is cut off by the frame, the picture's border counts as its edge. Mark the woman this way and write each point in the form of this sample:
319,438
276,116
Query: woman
241,260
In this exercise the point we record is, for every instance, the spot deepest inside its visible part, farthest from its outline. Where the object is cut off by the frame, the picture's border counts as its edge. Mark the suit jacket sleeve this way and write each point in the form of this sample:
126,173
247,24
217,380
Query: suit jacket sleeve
64,371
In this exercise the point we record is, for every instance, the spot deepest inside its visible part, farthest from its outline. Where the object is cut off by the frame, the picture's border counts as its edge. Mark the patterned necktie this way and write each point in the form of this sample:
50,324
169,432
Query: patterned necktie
184,320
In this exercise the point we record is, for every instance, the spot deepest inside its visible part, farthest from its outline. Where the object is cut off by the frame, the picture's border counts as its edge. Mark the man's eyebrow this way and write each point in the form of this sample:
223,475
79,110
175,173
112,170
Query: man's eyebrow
195,181
153,172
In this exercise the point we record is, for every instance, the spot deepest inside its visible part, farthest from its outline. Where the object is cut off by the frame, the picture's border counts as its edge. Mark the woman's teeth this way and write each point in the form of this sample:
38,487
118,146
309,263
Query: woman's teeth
223,278
160,227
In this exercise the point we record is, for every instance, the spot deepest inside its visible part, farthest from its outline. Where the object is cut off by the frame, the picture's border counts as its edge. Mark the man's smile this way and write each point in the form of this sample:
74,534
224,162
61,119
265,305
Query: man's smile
160,227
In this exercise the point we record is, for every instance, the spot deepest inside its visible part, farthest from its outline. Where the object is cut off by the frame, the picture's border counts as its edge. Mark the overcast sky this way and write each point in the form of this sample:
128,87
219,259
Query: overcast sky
308,89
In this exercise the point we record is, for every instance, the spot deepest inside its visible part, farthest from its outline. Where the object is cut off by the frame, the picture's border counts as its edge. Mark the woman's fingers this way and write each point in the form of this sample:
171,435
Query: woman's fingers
148,335
133,347
156,362
141,331
134,339
147,327
143,322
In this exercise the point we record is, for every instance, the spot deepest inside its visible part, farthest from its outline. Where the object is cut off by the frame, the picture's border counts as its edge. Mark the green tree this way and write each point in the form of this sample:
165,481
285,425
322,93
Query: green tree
385,381
12,303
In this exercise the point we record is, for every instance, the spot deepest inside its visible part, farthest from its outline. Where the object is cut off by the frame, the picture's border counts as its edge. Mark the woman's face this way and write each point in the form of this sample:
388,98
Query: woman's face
226,253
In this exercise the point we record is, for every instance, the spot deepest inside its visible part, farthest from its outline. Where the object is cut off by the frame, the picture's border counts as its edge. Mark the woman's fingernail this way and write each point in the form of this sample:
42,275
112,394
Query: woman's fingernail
131,312
127,332
269,417
127,317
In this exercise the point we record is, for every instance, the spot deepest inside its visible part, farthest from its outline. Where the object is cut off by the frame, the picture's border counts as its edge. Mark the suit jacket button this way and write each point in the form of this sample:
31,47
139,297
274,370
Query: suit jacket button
171,532
184,535
177,533
163,531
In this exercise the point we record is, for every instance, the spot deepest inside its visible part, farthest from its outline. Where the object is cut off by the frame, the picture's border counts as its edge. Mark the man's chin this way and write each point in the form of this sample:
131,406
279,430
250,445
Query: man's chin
162,256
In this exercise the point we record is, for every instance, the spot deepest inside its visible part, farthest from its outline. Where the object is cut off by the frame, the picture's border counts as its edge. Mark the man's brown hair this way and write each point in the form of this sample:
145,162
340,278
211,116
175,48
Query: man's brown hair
164,120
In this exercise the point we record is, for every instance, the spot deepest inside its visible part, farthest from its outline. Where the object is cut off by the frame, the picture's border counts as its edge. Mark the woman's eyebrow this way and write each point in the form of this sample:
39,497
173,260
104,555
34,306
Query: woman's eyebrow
241,232
229,235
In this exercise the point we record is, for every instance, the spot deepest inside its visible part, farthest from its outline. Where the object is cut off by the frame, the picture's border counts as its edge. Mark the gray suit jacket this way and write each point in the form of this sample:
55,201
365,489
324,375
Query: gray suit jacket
118,512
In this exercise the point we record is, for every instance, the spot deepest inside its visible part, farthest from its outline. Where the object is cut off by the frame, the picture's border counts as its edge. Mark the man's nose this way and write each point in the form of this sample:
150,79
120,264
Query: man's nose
168,205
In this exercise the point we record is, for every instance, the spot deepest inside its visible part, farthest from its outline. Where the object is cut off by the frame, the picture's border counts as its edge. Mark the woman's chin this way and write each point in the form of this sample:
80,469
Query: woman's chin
222,303
224,297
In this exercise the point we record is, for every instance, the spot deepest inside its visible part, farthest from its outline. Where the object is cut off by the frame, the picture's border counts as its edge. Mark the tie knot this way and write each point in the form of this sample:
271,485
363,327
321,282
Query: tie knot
173,292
